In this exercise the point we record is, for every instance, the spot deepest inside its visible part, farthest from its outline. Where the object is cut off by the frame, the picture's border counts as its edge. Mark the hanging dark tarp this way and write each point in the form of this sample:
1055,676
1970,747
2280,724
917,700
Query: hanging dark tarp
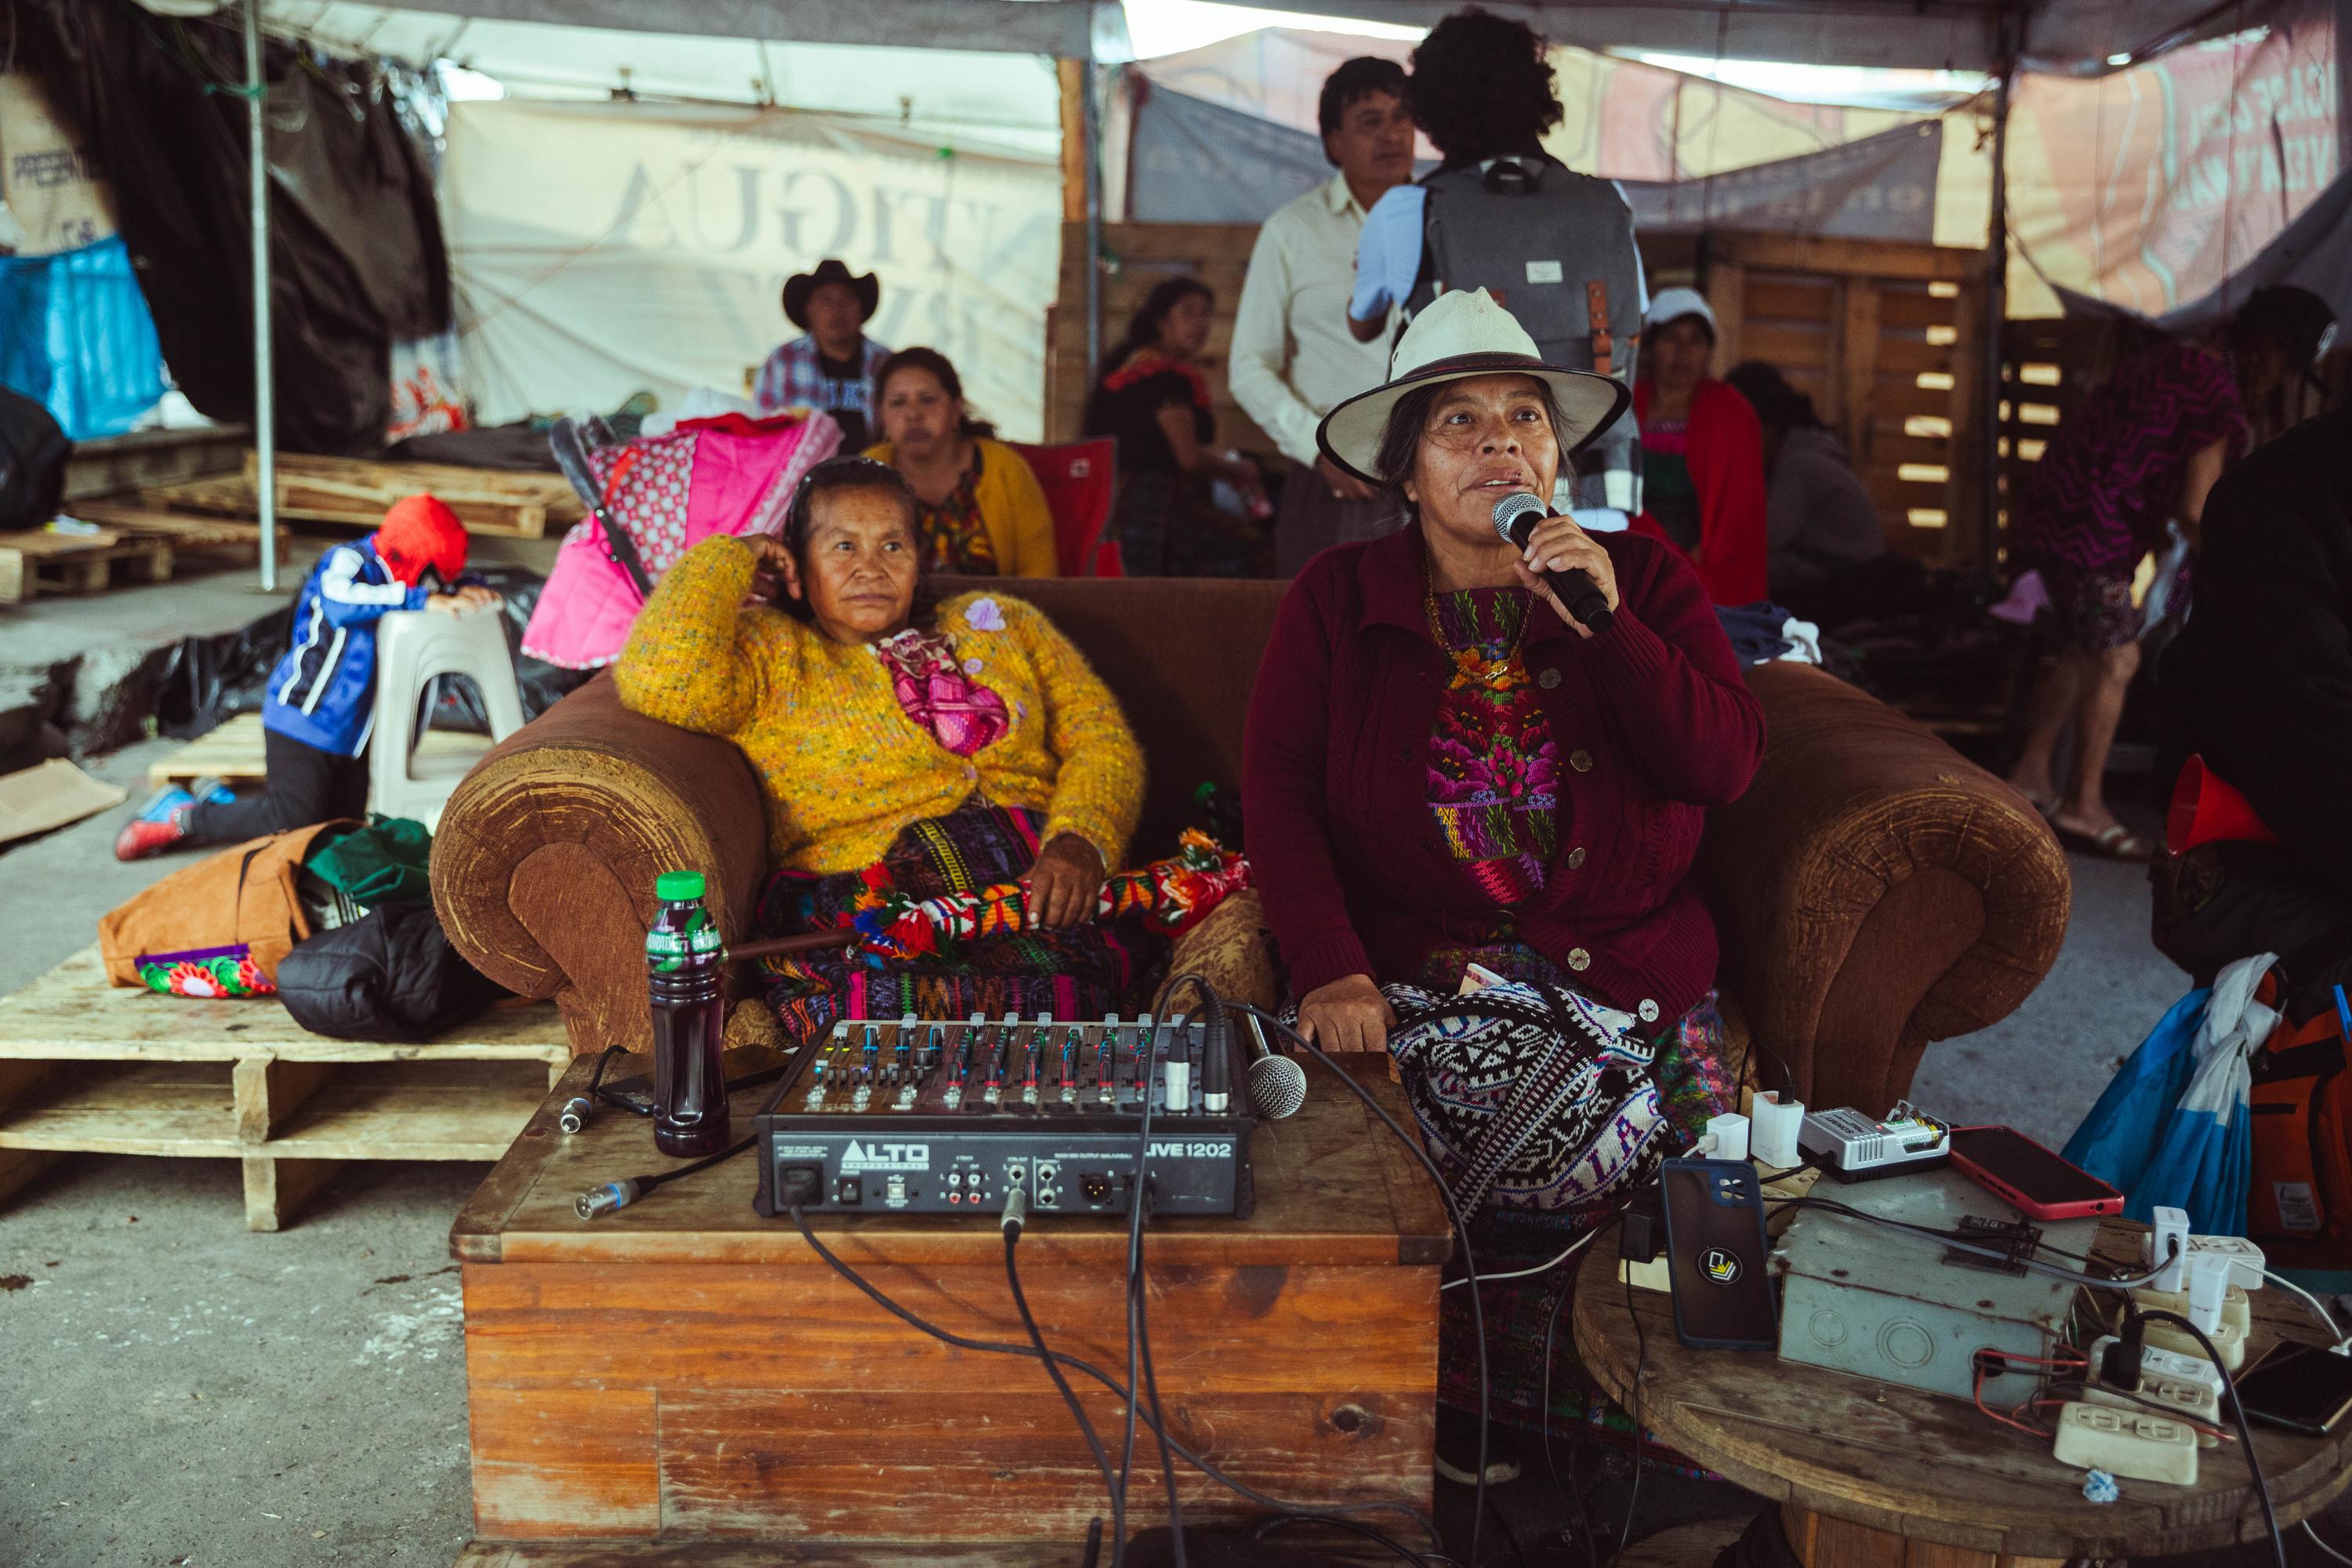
357,256
1196,161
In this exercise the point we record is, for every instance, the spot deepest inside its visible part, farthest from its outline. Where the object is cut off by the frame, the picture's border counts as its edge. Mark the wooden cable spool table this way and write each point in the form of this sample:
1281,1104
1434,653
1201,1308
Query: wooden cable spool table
1867,1473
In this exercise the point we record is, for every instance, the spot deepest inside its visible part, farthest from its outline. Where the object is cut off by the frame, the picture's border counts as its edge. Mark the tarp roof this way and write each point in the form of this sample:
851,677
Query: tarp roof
2074,36
2070,36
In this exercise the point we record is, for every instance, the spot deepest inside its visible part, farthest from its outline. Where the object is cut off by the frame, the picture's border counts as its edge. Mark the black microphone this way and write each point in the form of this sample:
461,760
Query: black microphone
1516,516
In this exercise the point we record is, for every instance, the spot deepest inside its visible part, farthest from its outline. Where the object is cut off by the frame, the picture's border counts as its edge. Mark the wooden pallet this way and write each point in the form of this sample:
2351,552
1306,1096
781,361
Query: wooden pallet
222,537
356,493
233,754
36,564
92,1067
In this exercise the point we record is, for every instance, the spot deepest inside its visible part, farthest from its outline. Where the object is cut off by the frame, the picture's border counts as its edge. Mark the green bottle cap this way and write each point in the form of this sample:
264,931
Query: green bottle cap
678,887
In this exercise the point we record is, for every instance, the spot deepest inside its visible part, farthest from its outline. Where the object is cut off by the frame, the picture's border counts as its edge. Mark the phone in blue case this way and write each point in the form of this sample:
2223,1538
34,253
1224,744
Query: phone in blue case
1715,1250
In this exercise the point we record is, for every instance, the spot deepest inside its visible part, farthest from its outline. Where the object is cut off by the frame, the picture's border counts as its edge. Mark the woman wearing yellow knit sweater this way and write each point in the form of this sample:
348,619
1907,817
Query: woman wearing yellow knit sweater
934,749
979,509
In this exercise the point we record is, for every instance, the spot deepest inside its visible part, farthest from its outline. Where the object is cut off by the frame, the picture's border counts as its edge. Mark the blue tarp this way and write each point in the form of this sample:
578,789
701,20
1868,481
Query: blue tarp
76,336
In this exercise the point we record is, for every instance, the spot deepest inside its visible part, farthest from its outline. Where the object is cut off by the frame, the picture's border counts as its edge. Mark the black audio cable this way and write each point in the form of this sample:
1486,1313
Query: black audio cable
1460,1233
1139,1185
1015,1218
1243,1489
606,1196
2229,1402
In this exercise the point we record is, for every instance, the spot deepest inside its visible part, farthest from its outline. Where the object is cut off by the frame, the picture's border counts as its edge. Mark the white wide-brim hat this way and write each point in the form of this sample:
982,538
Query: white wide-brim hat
1462,335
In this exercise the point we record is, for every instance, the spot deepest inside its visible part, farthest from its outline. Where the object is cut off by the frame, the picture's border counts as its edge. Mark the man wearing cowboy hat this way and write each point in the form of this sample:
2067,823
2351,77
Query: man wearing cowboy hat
831,365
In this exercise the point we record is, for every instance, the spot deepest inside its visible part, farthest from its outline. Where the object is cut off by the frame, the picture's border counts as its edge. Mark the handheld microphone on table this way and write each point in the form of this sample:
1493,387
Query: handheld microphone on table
1277,1085
1516,516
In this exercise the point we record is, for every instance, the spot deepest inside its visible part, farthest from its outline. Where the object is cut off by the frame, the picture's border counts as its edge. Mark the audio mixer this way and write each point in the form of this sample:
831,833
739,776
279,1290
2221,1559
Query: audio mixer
938,1118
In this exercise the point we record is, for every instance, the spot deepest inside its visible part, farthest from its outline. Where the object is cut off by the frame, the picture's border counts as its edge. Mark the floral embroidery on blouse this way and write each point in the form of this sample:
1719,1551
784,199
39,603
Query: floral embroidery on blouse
1493,770
950,535
961,714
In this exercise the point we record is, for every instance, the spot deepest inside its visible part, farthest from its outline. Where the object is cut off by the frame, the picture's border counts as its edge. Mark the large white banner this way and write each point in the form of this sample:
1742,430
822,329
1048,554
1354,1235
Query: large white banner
603,249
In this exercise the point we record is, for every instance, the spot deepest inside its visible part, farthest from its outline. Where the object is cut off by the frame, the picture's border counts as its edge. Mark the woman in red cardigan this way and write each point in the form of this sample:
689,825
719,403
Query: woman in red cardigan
1702,453
1443,767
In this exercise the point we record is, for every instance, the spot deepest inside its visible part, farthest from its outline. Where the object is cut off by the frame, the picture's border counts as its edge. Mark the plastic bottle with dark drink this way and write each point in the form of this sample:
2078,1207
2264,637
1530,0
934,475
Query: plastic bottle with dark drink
686,969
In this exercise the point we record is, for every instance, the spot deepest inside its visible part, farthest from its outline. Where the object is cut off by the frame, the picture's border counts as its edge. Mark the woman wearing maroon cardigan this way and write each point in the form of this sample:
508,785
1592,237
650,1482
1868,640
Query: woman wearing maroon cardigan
1442,766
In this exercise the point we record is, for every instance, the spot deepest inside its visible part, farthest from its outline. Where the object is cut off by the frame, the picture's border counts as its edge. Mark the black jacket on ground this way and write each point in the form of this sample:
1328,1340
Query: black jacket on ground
2260,681
390,976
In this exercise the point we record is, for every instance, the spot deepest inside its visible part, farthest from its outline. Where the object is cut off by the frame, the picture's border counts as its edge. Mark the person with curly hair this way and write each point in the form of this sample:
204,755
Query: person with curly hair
1554,248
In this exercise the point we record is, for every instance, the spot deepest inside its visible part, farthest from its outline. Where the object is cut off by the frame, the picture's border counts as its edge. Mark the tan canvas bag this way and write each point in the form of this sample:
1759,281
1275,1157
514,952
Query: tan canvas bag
217,928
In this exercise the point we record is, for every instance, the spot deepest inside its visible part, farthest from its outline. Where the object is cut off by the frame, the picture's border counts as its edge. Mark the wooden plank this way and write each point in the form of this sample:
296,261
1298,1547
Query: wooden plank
474,1234
819,1463
1727,284
413,1110
37,562
1780,297
236,753
186,532
1858,350
71,1014
764,1555
581,1461
1790,344
276,1190
269,1091
20,1167
350,490
1909,354
1852,258
1965,498
117,463
1070,76
178,1109
1908,307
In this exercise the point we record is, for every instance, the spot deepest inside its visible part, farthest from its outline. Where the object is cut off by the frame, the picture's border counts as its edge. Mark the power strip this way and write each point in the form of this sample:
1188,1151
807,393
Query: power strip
2170,1365
2237,1311
2145,1446
2194,1401
2227,1339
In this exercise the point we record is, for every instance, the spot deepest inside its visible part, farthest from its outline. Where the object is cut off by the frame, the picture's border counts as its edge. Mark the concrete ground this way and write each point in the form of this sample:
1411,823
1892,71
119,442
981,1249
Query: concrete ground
187,1393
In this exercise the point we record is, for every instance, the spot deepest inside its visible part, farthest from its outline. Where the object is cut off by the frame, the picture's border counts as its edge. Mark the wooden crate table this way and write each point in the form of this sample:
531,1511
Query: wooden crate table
683,1371
92,1067
1869,1475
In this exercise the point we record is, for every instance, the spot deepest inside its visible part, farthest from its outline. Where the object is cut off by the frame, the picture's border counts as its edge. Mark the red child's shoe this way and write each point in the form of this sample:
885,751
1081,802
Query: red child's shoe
161,822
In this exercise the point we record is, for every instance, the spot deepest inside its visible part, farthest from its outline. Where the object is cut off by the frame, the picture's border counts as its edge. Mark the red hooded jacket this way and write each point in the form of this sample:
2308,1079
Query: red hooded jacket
1726,466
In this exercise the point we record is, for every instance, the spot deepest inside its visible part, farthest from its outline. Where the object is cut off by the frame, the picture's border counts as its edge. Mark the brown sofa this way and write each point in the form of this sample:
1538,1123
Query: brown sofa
1873,891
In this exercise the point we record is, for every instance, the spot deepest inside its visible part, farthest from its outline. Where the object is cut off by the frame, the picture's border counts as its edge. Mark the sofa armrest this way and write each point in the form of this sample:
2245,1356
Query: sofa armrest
544,863
1874,892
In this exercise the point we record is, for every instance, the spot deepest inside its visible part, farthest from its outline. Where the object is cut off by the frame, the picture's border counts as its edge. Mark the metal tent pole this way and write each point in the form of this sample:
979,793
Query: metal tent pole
264,399
1996,304
1092,119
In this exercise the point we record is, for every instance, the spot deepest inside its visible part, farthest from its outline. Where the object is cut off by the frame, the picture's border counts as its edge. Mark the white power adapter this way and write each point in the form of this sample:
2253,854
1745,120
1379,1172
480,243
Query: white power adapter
2167,1245
2247,1259
2209,1289
1772,1129
1726,1137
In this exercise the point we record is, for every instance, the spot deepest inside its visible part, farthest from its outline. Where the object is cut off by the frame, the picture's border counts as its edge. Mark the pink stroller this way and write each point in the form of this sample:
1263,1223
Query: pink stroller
650,501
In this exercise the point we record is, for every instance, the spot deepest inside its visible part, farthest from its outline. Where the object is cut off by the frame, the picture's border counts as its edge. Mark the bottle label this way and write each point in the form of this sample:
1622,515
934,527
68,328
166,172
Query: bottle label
669,950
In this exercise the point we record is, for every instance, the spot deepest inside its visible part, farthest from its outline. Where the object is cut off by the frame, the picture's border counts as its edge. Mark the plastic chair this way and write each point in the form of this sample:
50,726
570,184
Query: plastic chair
412,648
1081,481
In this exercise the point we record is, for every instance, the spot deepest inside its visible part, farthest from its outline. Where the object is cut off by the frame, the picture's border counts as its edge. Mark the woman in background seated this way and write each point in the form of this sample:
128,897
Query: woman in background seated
1702,452
1154,401
957,746
1822,524
977,508
1442,767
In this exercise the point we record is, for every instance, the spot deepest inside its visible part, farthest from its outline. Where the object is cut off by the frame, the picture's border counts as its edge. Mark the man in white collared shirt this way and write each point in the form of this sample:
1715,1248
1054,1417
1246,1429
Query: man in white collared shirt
1292,357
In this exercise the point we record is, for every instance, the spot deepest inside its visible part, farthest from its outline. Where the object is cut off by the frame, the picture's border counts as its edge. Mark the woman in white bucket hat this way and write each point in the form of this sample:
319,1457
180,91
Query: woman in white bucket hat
1442,768
1702,452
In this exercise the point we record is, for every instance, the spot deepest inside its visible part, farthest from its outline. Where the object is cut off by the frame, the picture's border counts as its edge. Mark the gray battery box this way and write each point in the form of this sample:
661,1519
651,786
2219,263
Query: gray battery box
1859,1297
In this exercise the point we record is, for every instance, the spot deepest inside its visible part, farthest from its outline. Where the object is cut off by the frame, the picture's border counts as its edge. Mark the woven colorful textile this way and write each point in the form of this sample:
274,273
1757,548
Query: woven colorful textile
1693,1084
1494,770
943,916
206,973
940,694
951,535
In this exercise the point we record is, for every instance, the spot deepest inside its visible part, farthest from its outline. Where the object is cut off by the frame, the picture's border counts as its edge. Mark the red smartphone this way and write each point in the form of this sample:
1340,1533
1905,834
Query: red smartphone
2023,1173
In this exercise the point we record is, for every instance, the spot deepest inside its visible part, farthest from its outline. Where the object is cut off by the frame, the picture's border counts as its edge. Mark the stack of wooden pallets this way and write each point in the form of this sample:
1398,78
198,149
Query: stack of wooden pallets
356,493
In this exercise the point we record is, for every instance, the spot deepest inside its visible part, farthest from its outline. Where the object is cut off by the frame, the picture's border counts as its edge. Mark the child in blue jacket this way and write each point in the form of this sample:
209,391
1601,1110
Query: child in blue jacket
320,704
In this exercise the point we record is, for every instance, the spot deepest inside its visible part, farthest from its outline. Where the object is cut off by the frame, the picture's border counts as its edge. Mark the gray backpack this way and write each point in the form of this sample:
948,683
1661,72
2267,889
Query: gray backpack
1556,248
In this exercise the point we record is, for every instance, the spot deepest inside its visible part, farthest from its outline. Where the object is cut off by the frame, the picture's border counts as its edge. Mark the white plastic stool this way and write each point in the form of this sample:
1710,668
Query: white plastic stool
412,647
